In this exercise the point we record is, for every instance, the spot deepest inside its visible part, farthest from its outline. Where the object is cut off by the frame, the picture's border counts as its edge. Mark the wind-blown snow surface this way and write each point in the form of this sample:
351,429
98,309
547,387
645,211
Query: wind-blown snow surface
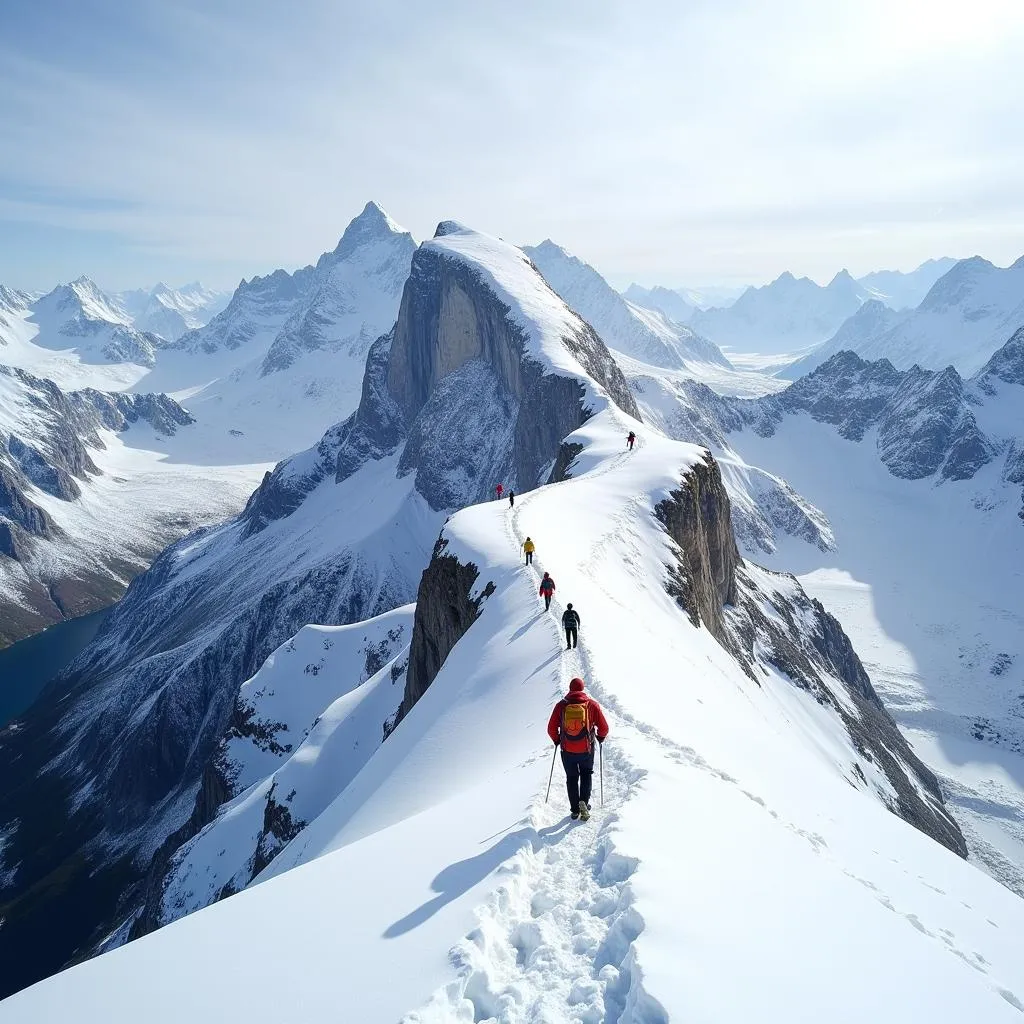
966,315
733,874
638,332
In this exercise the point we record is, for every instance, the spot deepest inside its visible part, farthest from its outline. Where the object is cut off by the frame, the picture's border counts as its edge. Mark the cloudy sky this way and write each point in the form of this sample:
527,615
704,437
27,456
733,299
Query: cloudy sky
668,142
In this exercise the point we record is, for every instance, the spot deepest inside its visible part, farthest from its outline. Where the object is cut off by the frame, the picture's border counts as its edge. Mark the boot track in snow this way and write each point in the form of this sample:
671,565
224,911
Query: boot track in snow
555,940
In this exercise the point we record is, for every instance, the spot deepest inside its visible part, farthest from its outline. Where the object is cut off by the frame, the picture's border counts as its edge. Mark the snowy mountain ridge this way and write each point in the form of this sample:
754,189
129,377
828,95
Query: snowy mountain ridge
537,914
966,315
638,332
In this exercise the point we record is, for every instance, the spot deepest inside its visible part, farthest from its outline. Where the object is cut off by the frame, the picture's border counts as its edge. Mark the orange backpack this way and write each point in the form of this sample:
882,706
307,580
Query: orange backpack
576,721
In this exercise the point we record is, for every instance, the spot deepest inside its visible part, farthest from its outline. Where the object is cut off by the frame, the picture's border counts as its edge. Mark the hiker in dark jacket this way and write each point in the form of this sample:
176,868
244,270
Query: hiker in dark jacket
631,440
574,725
511,498
547,590
570,623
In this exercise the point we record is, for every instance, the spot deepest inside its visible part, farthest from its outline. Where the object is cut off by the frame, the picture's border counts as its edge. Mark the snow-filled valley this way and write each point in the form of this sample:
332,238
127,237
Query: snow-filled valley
310,741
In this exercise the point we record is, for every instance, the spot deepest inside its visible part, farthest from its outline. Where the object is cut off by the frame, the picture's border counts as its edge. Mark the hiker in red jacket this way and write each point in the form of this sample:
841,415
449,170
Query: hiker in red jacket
499,490
574,724
547,590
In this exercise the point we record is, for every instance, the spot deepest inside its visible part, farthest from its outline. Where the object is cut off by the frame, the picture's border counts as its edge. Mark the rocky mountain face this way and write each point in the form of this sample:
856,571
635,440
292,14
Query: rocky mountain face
756,614
116,766
46,436
635,330
764,506
924,419
966,315
785,316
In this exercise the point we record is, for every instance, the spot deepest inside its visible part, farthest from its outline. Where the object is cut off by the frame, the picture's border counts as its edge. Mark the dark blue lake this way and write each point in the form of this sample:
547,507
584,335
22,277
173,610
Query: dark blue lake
27,666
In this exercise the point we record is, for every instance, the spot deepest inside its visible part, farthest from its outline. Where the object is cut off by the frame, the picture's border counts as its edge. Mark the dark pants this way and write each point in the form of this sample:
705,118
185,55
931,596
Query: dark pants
579,776
570,636
547,601
529,558
511,500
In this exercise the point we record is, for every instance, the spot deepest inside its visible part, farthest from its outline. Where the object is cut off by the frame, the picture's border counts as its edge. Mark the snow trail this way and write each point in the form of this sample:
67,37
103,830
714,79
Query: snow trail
555,940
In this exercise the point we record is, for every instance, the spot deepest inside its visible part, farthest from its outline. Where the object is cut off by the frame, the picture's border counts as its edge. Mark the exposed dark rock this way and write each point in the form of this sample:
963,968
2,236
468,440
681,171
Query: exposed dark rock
445,609
801,639
567,453
697,517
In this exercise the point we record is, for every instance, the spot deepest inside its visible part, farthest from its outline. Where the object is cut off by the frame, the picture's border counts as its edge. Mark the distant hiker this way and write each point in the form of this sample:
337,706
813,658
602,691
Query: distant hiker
547,590
499,490
574,724
570,623
511,498
529,547
631,439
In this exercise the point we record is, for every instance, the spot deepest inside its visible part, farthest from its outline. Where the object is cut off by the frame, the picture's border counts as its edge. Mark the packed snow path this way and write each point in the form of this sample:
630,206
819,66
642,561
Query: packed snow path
555,940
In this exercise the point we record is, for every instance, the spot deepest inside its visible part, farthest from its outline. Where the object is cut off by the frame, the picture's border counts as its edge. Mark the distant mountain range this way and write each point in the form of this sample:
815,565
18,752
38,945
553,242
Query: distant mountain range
790,313
170,312
965,316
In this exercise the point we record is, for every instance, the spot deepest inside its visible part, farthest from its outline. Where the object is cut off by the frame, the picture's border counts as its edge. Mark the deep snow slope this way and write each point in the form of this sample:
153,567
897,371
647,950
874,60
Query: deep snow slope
782,317
484,373
914,479
966,315
84,479
641,333
743,833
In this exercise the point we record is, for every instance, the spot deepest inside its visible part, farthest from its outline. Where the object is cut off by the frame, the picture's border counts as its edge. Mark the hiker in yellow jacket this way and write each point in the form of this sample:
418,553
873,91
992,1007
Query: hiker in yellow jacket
529,548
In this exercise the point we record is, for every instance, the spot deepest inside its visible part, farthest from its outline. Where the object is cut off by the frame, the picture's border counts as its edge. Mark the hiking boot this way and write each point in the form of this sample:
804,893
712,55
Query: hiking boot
584,811
574,815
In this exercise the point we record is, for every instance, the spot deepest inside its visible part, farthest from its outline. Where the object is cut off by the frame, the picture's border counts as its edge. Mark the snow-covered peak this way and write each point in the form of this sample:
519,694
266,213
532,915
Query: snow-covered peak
82,298
450,227
786,315
508,272
639,332
973,284
372,225
966,315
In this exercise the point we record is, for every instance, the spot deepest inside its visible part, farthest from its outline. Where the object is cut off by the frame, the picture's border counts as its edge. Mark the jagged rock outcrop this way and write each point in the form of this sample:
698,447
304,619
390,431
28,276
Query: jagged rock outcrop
799,638
446,607
697,517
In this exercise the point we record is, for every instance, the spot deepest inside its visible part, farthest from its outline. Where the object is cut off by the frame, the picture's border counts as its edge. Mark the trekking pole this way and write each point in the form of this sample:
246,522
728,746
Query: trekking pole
601,758
551,774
